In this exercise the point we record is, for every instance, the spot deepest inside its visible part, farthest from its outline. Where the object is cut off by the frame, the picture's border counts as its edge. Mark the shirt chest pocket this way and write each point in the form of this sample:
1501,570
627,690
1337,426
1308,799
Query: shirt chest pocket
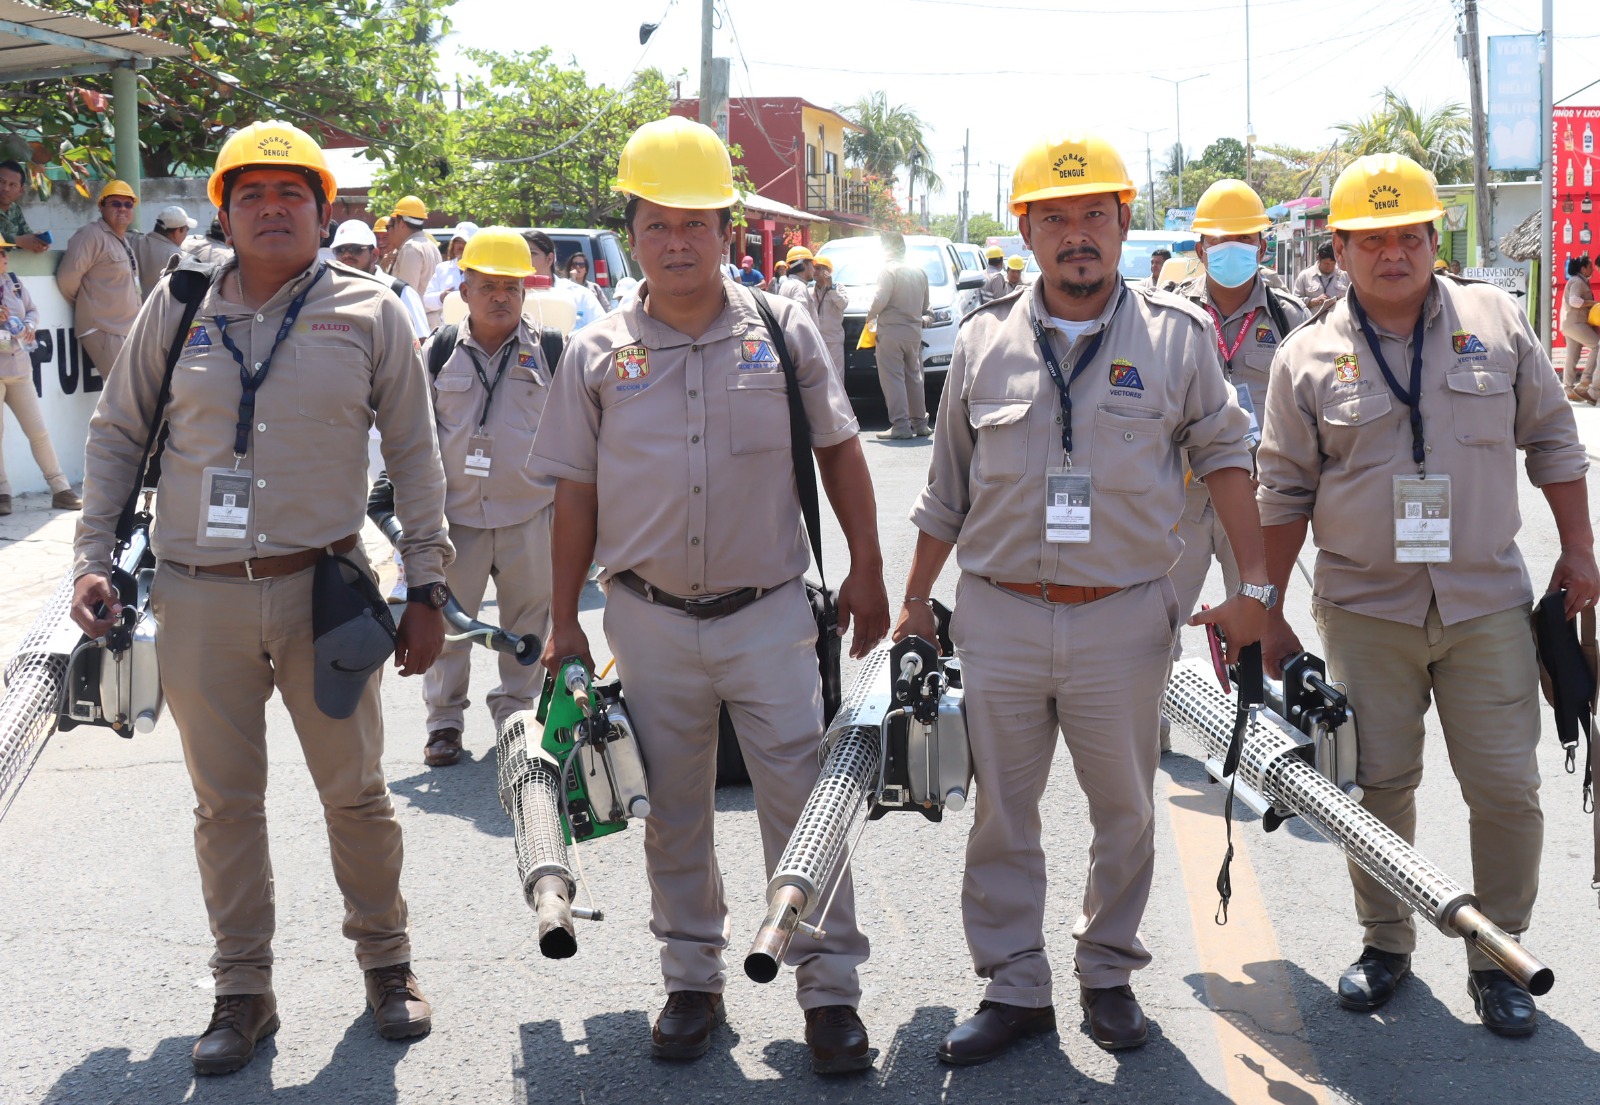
1356,432
525,396
334,385
454,402
1127,451
758,413
1000,432
1482,404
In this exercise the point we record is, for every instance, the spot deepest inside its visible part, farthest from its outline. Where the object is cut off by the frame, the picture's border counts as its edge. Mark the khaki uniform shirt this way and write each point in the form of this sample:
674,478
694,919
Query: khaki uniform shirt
1153,391
1312,283
1576,288
208,251
828,309
511,493
350,361
1336,437
417,259
687,441
994,284
1249,366
798,290
902,297
152,252
98,277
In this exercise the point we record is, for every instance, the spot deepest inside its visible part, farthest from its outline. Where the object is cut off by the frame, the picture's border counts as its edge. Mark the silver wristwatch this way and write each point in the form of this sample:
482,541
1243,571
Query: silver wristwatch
1264,593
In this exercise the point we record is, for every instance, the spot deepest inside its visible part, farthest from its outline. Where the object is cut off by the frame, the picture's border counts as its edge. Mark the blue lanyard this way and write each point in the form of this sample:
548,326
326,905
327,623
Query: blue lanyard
249,381
1411,397
500,374
1064,383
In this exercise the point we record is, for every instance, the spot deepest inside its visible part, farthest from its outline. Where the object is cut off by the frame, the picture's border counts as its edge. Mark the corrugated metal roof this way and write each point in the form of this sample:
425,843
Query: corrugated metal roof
35,42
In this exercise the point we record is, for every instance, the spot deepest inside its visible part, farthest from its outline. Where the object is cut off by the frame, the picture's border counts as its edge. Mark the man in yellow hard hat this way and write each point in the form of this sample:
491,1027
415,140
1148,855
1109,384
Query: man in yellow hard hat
795,283
262,495
829,303
1248,321
1392,425
994,277
489,392
380,230
416,254
1322,281
899,308
668,433
1057,478
1014,266
100,278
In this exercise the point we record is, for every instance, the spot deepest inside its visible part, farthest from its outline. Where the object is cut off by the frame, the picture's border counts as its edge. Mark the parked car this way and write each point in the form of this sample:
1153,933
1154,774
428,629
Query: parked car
1136,252
953,293
607,251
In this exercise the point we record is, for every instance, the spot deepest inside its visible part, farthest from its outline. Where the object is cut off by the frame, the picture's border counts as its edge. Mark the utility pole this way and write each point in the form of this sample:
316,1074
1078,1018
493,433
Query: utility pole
999,206
1177,104
1249,122
966,142
707,108
1149,178
1480,144
1547,227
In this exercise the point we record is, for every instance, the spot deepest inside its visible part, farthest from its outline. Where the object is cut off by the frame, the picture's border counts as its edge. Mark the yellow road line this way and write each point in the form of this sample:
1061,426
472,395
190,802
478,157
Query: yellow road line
1265,1056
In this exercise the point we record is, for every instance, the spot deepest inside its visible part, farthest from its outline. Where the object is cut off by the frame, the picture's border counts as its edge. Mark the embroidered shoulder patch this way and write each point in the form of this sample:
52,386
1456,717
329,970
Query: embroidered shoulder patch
1346,369
1463,342
1124,375
198,338
632,363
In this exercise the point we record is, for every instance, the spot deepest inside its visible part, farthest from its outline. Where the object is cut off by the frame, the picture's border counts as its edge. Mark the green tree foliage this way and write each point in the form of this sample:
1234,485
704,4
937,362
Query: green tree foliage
535,144
893,140
980,227
363,66
1439,138
1225,157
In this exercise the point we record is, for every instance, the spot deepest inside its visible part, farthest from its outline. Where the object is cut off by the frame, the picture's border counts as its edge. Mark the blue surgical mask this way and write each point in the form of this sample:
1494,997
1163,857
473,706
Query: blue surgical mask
1231,264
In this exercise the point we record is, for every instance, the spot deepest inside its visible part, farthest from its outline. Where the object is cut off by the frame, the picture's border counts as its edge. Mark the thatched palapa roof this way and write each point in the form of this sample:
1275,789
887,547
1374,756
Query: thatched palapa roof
1522,244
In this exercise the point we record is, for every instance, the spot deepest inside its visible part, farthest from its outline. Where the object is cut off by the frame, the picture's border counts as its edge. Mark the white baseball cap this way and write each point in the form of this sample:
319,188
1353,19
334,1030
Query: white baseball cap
354,232
171,218
464,231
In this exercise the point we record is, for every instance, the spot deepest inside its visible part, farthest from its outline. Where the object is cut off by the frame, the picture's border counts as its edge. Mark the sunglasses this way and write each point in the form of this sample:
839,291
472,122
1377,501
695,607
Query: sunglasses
120,205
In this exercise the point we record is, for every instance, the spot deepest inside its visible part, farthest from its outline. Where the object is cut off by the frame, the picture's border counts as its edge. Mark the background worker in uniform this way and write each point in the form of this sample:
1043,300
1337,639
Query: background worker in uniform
994,277
1323,281
683,486
1399,409
899,308
447,277
1577,298
1158,261
416,254
355,245
100,278
153,251
1079,484
828,304
235,607
487,400
542,248
1248,320
17,392
211,248
380,230
1014,266
795,284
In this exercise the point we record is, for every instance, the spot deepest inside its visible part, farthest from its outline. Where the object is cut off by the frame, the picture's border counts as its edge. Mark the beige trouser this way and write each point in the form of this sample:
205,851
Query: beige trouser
102,349
1577,333
1483,677
1203,537
761,662
1092,673
224,644
17,393
518,557
900,375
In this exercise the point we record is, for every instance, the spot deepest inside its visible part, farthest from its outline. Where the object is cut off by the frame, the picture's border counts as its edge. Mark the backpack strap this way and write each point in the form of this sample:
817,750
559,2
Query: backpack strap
552,343
440,348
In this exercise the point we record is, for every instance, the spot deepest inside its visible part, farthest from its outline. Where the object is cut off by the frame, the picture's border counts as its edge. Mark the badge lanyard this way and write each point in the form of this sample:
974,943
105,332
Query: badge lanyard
1412,398
1064,383
250,382
500,374
1229,352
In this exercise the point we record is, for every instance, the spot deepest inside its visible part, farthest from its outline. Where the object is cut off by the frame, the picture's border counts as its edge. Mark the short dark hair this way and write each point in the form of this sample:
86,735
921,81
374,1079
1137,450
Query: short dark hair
1325,251
231,178
632,209
1575,264
15,167
1161,253
539,240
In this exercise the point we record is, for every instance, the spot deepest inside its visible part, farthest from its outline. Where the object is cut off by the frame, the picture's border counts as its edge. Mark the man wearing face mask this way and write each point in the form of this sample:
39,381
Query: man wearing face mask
1248,320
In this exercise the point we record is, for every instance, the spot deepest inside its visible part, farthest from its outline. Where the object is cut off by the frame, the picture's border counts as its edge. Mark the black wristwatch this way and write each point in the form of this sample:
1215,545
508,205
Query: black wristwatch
429,594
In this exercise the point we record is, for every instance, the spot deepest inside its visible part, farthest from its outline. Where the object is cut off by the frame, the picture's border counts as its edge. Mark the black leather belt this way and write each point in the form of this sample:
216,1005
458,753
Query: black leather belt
713,606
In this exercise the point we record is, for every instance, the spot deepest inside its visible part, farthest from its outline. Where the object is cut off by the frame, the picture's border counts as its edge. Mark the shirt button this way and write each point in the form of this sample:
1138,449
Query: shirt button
694,587
1128,436
695,440
262,426
261,318
694,349
261,483
692,394
1355,416
261,537
694,540
1480,386
697,491
258,366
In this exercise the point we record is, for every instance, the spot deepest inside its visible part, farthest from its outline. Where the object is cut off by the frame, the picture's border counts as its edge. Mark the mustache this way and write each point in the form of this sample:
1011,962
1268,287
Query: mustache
1077,253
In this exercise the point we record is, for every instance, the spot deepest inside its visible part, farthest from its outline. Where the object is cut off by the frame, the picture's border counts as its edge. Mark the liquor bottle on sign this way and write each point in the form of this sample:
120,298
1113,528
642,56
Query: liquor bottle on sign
1566,233
1588,204
1588,139
1588,174
1566,204
1569,172
1567,138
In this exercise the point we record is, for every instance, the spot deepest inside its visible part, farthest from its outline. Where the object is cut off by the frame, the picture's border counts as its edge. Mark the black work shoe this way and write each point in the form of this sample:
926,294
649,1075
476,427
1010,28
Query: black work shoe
444,748
1370,981
1114,1017
397,1002
838,1040
992,1030
683,1030
238,1023
1505,1008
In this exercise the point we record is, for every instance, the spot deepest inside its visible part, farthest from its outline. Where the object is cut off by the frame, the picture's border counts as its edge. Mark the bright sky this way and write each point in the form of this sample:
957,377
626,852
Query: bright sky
1089,63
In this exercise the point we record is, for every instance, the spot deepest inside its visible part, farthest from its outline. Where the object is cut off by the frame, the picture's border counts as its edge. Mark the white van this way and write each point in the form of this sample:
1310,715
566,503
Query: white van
953,292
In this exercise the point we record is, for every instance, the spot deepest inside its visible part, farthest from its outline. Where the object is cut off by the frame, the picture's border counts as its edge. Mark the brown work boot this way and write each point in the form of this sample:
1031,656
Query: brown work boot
683,1030
65,500
838,1040
397,1002
1115,1019
238,1023
444,748
5,504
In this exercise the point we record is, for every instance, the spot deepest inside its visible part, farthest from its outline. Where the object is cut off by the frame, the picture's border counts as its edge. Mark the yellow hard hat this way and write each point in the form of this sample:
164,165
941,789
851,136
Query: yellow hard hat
798,253
1440,264
1072,164
381,226
498,251
677,162
116,188
993,253
1230,207
272,144
822,263
410,207
1382,190
1016,263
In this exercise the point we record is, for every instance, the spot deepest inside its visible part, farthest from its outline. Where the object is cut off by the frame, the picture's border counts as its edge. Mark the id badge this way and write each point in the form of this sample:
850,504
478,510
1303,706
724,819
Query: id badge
225,515
1068,501
480,456
1247,403
1422,519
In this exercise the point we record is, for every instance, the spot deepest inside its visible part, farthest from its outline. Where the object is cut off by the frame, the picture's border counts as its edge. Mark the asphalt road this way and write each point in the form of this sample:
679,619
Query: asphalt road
103,943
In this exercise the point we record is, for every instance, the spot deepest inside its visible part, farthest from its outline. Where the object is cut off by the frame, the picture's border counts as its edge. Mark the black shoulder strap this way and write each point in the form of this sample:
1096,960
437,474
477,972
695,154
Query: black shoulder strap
805,472
398,286
16,284
443,344
1280,321
552,343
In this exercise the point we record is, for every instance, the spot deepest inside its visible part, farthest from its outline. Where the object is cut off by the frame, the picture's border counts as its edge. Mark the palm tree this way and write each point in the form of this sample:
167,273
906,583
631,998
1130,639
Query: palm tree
1439,138
893,139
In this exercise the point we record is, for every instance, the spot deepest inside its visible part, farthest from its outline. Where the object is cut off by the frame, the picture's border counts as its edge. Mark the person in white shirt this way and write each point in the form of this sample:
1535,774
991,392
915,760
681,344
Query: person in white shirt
447,274
355,245
544,259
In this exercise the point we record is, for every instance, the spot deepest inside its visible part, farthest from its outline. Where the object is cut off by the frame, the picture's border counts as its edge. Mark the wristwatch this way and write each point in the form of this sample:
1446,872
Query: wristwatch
429,594
1264,593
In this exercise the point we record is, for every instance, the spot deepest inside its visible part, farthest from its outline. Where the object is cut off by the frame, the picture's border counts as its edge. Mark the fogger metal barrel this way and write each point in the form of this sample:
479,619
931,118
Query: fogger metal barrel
832,815
33,682
530,792
1272,765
